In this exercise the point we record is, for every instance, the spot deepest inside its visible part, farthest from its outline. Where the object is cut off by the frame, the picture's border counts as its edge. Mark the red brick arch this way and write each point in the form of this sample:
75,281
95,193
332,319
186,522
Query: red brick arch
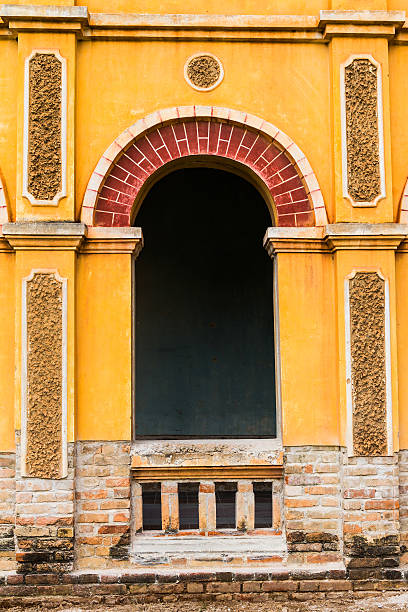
176,133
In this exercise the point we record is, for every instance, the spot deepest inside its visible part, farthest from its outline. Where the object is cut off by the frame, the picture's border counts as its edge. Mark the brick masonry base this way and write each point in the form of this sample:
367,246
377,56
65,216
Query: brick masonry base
95,588
346,517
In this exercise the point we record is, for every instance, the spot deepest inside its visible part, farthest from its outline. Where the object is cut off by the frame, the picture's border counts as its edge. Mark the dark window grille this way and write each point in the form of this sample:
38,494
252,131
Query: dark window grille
188,506
225,494
263,504
151,499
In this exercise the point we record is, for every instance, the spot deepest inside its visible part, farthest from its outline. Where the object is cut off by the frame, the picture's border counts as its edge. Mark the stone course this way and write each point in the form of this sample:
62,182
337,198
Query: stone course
7,510
371,515
74,535
152,586
312,499
102,514
44,520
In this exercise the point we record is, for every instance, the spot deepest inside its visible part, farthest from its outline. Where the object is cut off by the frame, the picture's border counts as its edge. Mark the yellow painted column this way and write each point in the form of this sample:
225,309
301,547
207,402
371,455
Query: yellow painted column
306,346
356,38
358,248
7,442
45,184
105,333
45,248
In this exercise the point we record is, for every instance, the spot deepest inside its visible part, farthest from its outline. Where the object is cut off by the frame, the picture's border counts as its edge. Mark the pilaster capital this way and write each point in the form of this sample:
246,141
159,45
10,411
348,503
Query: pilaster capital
381,24
44,235
67,236
33,18
335,237
111,240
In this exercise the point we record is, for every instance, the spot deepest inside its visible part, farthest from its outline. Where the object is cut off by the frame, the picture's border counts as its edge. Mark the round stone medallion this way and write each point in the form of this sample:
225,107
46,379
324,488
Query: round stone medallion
203,71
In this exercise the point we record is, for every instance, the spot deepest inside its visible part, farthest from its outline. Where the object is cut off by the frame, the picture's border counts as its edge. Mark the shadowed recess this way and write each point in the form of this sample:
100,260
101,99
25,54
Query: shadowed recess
204,310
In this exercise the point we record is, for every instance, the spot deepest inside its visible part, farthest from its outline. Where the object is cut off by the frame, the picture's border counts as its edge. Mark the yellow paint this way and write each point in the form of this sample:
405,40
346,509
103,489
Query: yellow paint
341,50
8,116
104,385
65,44
346,262
308,347
233,7
295,86
62,262
115,92
402,338
6,351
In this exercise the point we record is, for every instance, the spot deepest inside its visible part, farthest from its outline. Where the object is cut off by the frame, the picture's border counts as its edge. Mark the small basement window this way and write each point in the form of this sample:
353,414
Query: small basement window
225,495
263,504
151,500
188,505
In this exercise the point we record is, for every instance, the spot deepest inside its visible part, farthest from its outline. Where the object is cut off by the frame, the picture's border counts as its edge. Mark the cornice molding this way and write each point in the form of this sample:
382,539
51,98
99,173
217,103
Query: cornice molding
66,236
335,237
43,236
143,26
112,240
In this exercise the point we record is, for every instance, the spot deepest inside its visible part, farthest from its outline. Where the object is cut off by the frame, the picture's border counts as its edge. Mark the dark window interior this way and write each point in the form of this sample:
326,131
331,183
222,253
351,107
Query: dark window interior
151,499
188,505
204,310
225,495
263,504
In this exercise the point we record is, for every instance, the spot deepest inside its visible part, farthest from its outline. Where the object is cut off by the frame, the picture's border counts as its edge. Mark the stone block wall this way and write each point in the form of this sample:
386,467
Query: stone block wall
335,509
102,513
44,520
313,504
371,515
7,510
403,502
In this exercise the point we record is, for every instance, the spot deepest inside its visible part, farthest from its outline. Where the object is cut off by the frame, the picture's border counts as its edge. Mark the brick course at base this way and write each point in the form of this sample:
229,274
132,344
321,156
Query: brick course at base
102,515
312,491
7,510
44,522
149,586
336,510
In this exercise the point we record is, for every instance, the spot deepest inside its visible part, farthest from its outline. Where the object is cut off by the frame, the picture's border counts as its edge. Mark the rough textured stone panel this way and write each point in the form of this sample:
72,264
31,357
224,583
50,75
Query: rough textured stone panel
44,376
363,160
44,147
203,71
367,330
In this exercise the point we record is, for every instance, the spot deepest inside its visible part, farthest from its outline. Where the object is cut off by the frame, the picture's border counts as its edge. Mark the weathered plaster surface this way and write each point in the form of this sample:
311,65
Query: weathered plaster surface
207,452
203,71
44,158
44,376
367,322
363,161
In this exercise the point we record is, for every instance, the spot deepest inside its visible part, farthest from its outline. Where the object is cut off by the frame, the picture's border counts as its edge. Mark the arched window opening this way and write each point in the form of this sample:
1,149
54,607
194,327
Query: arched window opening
205,365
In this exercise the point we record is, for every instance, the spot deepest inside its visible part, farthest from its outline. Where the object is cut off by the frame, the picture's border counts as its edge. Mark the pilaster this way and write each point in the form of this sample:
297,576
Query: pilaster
46,81
358,47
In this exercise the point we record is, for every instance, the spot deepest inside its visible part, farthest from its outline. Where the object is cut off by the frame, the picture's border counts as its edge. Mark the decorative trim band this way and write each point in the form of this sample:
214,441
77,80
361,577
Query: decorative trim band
44,375
45,108
205,472
362,128
368,363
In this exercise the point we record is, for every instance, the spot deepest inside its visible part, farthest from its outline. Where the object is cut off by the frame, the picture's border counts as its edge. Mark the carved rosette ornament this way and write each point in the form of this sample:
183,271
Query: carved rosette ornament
44,376
44,176
362,131
203,71
368,372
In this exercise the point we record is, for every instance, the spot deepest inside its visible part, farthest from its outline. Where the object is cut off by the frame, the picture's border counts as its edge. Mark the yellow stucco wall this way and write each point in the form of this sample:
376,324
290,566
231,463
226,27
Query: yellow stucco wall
119,85
7,352
309,373
104,366
296,86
